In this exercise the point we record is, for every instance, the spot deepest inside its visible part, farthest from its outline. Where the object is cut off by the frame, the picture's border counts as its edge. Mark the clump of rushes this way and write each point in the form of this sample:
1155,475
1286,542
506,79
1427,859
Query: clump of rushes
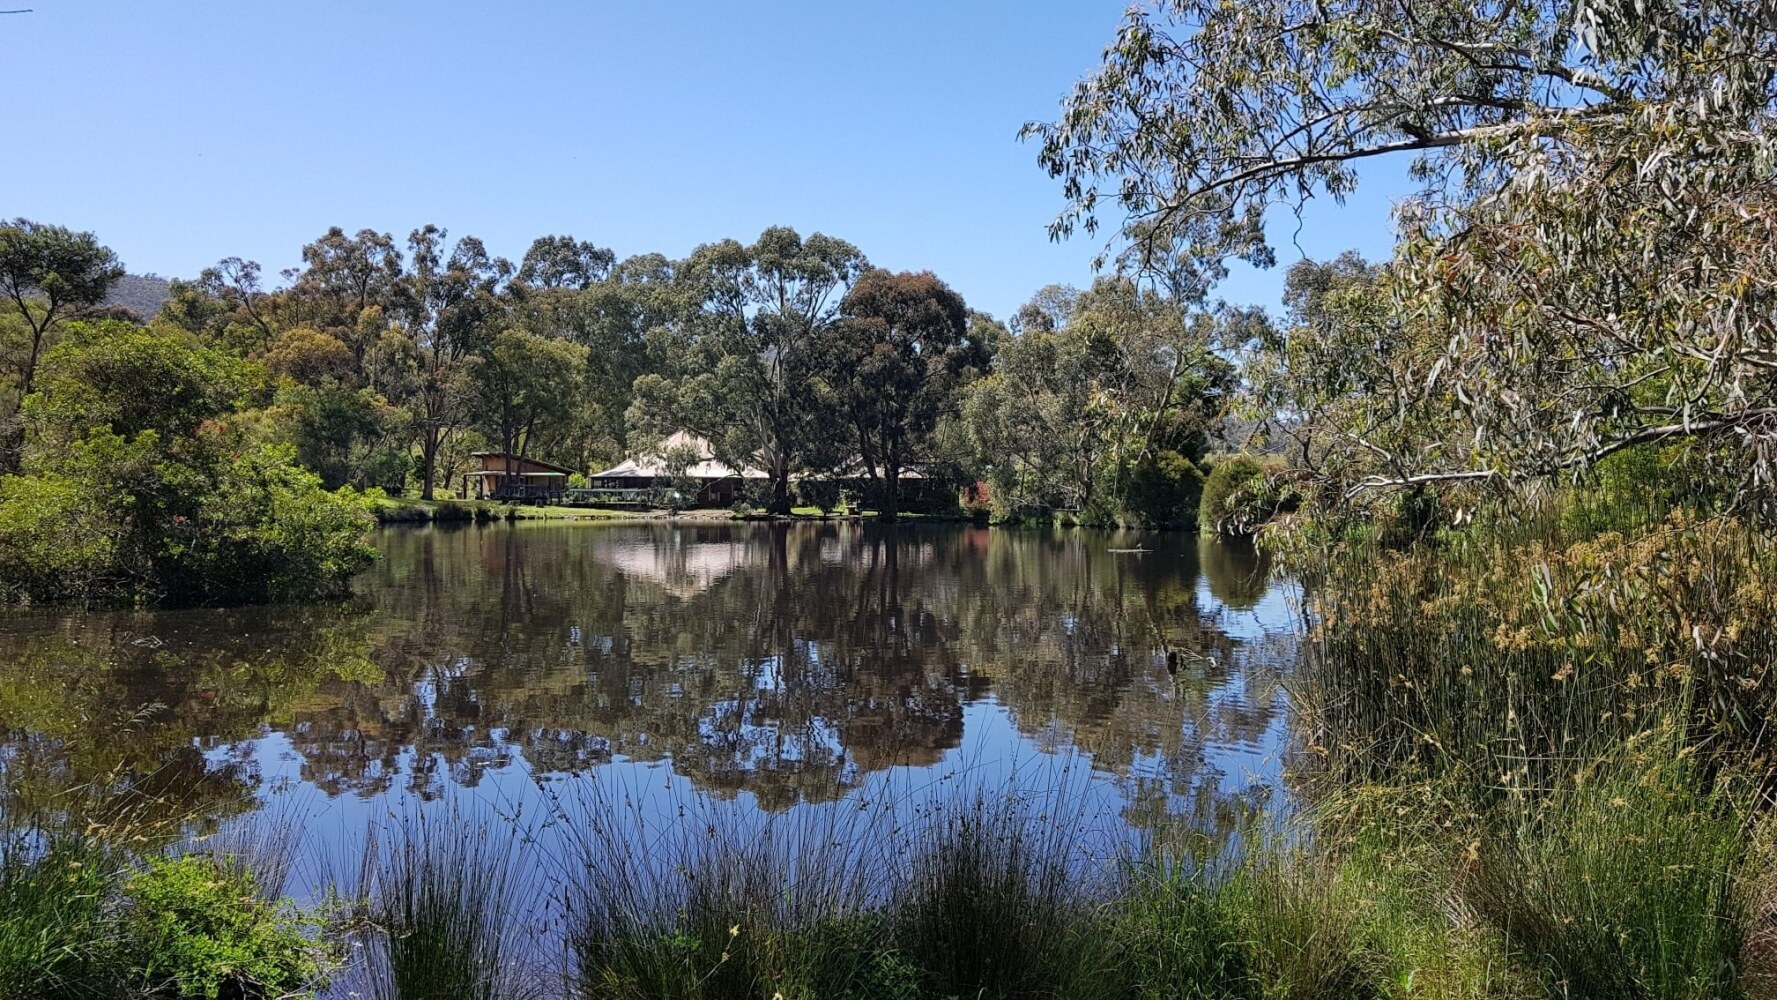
1563,740
992,907
1274,919
440,903
708,907
1506,660
1629,881
980,895
53,931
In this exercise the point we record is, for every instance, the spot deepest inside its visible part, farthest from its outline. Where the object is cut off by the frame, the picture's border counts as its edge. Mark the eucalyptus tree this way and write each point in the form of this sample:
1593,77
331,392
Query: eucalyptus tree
47,274
1587,265
1093,387
744,370
564,262
351,286
525,385
620,319
898,358
234,284
452,306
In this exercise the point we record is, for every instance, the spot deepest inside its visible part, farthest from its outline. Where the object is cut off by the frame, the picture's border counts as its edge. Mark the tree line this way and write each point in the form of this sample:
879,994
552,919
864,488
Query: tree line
385,363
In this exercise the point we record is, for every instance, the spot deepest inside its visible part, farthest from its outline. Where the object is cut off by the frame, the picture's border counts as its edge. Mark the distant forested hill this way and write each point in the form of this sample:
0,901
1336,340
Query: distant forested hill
141,294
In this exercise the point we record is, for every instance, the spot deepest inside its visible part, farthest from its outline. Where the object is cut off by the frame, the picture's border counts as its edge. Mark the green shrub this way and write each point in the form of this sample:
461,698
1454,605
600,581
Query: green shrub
191,925
848,958
1637,487
125,523
1165,490
138,489
268,531
1226,478
1177,937
819,492
58,541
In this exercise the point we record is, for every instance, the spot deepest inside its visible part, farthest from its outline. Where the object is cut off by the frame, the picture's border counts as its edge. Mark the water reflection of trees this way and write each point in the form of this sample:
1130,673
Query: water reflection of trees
789,662
141,717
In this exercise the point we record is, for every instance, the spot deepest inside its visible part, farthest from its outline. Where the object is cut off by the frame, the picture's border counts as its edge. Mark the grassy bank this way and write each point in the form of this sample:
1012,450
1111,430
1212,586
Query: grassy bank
390,510
1564,723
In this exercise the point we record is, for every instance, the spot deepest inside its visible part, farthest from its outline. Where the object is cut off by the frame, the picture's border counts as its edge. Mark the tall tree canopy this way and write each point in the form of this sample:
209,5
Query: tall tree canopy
453,308
1092,391
524,382
46,273
899,356
1588,265
564,262
745,371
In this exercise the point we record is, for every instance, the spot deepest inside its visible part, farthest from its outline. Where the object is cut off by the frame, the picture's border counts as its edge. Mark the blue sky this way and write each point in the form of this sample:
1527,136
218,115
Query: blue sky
185,132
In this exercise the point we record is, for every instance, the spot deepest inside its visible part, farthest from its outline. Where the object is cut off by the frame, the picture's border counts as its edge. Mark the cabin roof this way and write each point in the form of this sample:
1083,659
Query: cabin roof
555,469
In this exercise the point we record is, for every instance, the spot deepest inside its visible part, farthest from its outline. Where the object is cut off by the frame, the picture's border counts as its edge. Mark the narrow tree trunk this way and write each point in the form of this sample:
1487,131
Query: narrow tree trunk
428,461
891,493
780,491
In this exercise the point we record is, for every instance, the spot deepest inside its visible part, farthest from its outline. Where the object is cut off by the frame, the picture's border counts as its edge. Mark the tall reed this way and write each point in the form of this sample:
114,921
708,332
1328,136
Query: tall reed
441,910
53,933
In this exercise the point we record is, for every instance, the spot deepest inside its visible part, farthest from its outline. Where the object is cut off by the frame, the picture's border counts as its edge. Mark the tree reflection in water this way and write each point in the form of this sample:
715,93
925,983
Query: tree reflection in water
785,661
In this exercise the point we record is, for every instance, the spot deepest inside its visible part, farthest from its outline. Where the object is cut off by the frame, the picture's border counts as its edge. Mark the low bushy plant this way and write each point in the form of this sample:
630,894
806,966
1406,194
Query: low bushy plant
1165,489
193,927
819,492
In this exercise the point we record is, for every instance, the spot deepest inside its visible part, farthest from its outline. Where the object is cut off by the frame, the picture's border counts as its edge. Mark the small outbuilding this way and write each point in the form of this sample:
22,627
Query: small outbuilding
503,476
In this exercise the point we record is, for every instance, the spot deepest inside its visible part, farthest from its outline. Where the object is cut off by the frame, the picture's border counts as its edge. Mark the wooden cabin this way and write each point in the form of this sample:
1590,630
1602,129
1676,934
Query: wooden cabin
501,476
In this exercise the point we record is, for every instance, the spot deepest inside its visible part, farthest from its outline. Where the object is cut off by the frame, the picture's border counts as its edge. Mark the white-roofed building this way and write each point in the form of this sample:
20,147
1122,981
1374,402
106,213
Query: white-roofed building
718,484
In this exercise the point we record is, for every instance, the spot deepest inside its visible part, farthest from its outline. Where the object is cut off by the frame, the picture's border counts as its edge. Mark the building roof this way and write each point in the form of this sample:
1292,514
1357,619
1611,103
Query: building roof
652,464
562,469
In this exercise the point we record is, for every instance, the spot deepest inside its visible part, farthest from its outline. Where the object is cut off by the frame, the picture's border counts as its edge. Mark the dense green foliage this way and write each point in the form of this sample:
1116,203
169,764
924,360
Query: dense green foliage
1525,466
385,366
1526,459
47,274
138,486
1089,394
193,924
53,930
82,921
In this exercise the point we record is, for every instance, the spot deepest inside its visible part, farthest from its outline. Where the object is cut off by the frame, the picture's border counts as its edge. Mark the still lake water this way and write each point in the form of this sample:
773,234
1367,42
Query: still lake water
751,670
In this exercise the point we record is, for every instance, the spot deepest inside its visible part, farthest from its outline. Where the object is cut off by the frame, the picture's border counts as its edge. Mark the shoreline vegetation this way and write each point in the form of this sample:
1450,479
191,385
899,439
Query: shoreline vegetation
1628,884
